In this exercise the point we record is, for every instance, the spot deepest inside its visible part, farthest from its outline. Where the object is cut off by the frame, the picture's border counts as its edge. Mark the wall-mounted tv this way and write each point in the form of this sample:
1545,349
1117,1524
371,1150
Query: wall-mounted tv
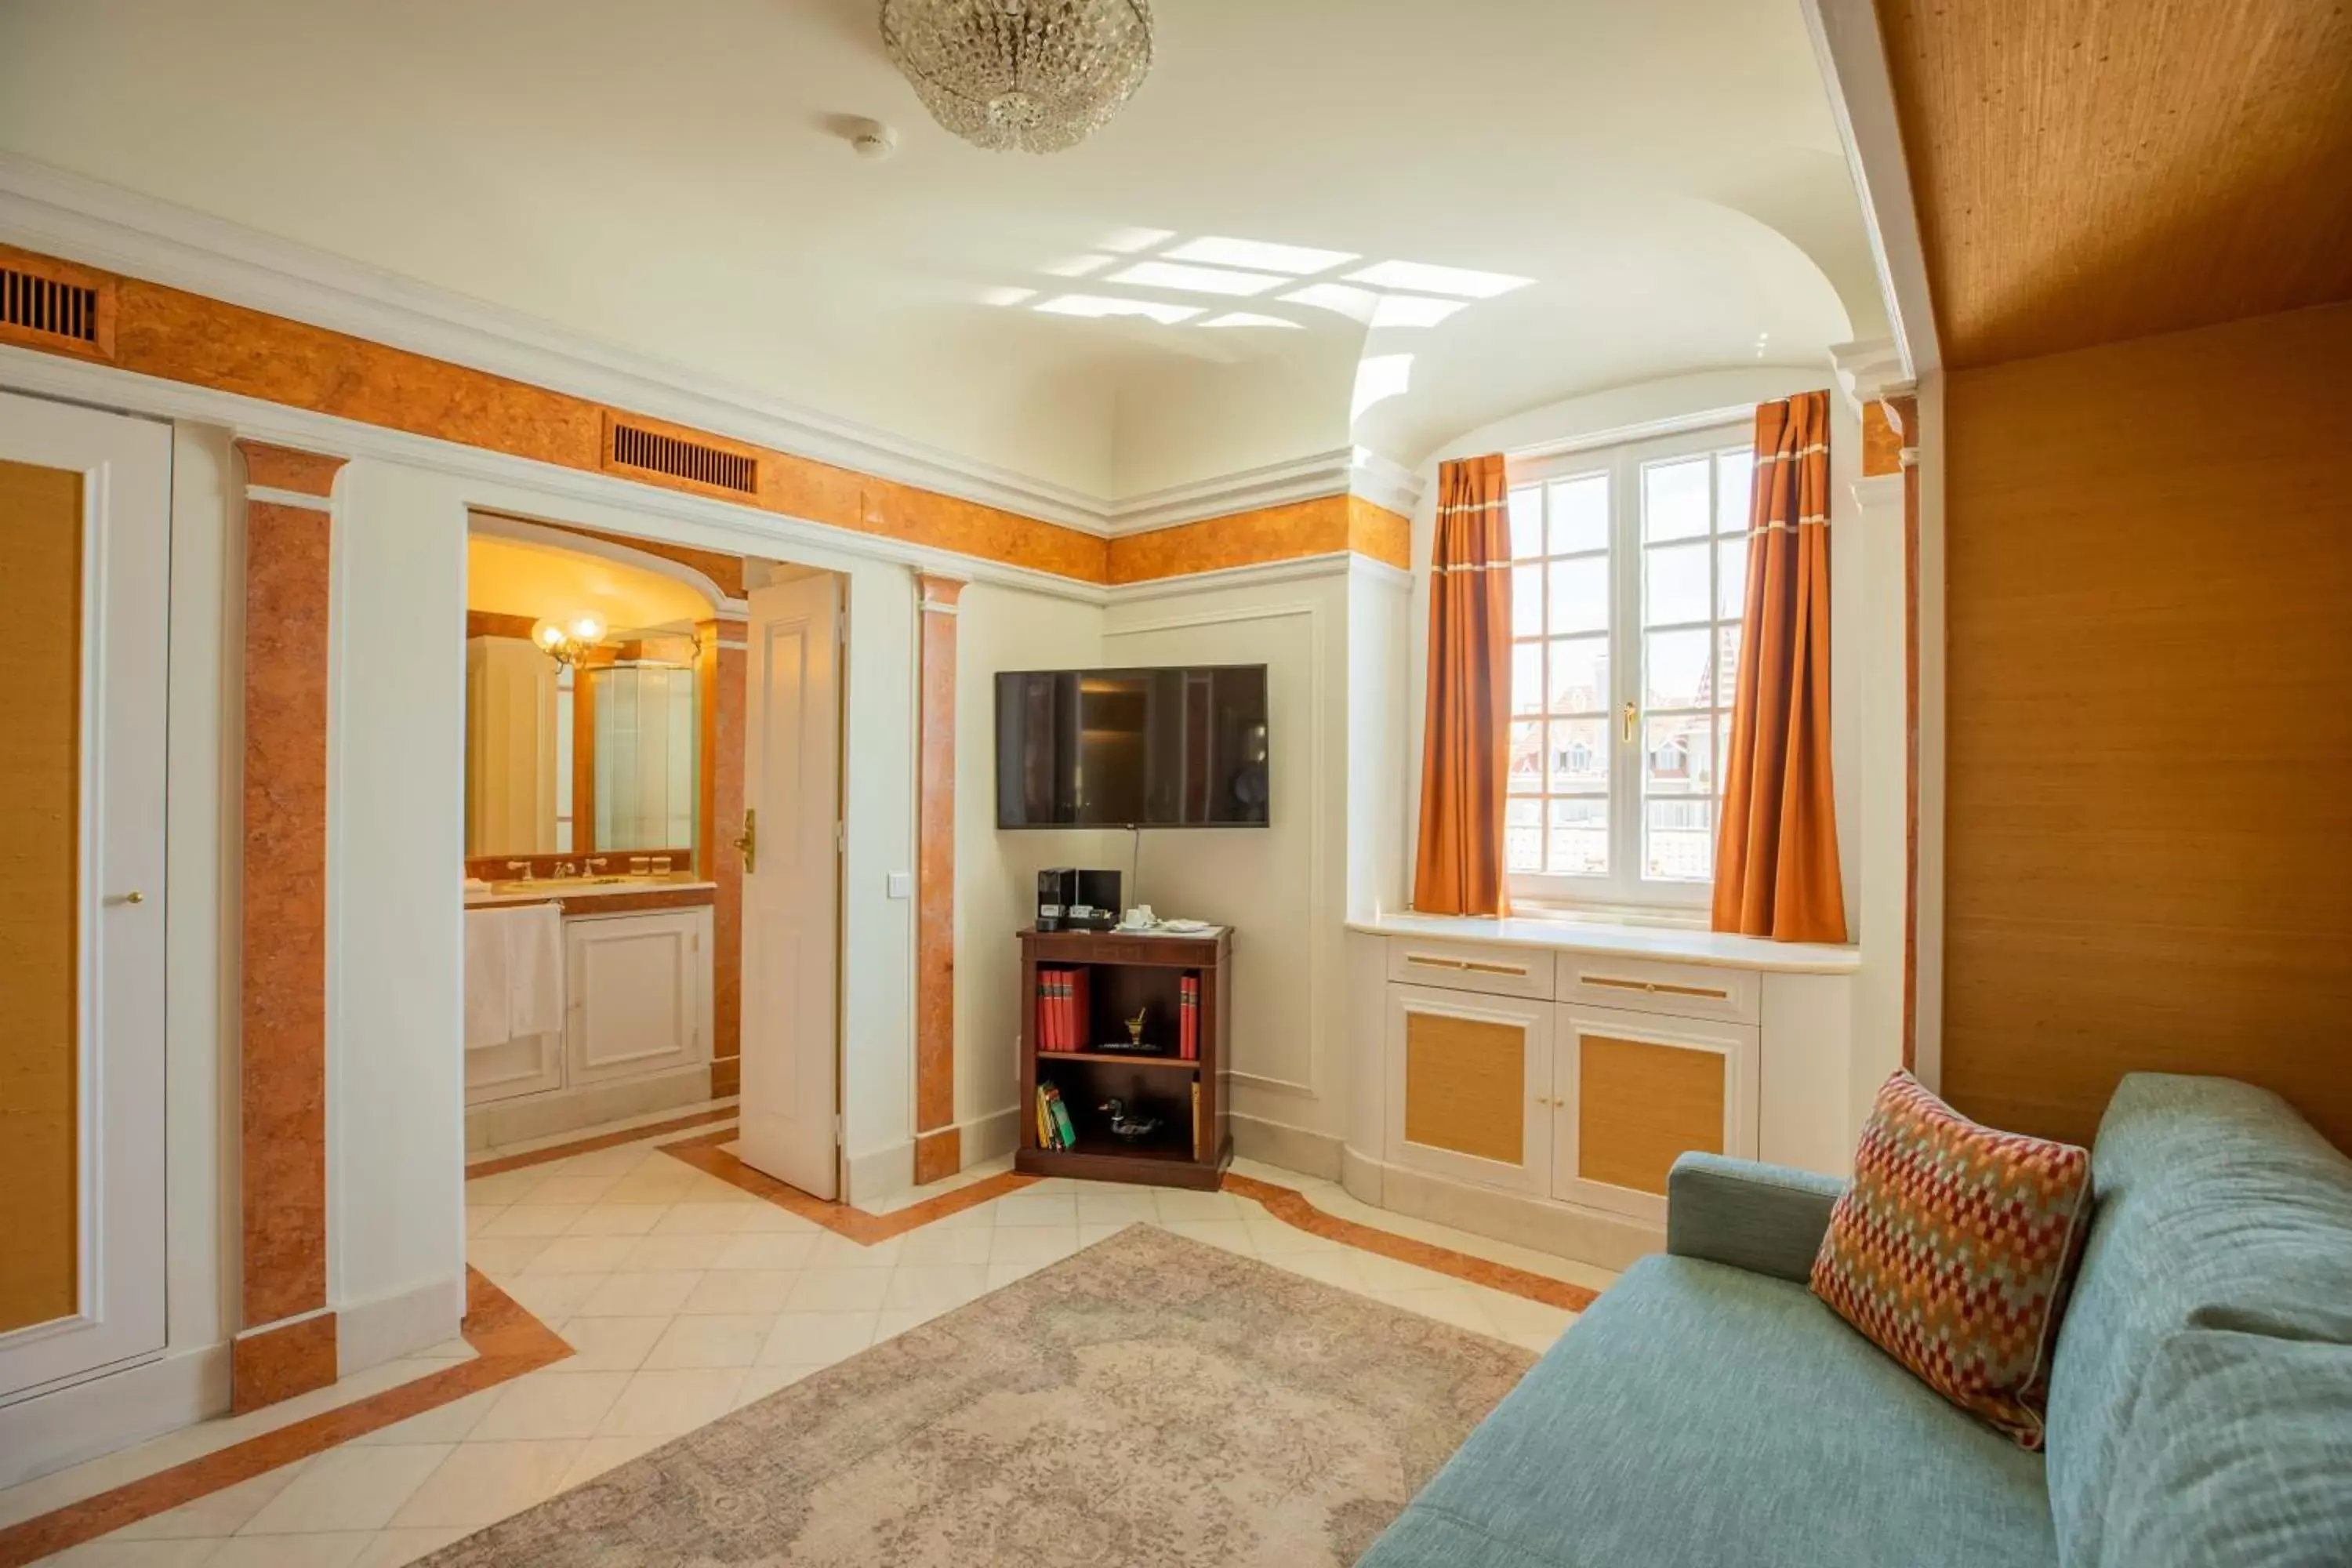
1133,748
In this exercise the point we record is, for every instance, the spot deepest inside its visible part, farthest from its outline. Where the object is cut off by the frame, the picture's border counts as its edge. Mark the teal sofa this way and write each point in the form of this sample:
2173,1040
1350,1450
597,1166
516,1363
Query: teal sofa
1709,1412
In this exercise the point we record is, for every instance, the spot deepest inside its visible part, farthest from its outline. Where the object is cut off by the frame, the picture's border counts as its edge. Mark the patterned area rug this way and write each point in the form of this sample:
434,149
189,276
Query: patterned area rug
1148,1400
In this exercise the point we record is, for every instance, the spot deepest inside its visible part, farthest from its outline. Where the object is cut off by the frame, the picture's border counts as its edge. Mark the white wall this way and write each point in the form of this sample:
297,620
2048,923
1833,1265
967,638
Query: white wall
1283,888
1000,628
1627,409
395,783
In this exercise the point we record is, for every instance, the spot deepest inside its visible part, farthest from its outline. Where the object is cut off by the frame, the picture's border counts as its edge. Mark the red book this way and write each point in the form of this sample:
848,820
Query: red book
1044,1009
1188,1013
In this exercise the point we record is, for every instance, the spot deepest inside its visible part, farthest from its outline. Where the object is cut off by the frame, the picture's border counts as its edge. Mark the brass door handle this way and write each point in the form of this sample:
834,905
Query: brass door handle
133,897
748,841
1631,711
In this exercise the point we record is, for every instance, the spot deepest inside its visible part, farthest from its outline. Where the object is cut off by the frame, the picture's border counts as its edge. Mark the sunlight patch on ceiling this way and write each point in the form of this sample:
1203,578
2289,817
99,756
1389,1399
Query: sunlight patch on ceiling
1103,305
1430,280
1356,304
1132,241
1251,319
1078,265
1006,296
1413,311
1379,378
1195,280
1299,260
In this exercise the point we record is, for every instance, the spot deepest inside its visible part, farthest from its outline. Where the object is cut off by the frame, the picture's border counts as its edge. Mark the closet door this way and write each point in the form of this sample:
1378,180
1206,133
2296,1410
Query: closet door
84,552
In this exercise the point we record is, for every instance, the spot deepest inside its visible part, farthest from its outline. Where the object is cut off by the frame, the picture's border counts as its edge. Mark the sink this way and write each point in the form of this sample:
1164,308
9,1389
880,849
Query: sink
572,884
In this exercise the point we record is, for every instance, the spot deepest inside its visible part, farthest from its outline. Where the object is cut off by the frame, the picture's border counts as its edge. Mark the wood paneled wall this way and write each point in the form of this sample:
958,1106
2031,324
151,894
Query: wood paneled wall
2149,722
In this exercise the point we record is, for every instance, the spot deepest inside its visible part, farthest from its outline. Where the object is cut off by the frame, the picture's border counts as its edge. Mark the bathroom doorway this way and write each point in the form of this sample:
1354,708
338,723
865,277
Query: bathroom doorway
652,767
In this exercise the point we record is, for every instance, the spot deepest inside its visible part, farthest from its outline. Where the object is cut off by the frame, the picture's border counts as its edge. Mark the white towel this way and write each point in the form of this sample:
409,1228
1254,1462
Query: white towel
490,986
535,975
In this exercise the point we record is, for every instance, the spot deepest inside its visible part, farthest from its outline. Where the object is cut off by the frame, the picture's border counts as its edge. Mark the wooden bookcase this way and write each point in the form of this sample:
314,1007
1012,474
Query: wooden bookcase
1131,972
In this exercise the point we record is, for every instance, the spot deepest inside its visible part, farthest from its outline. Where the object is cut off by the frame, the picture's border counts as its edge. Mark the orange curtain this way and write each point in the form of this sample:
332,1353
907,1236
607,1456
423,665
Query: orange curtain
1459,867
1776,865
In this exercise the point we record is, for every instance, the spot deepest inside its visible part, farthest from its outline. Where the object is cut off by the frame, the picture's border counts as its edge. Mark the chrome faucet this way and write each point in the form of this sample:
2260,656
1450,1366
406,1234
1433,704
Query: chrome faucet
522,866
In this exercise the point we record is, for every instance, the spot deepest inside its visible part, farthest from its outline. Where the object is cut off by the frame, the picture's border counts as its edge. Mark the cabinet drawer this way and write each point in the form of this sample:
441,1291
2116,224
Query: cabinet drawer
1683,990
1471,966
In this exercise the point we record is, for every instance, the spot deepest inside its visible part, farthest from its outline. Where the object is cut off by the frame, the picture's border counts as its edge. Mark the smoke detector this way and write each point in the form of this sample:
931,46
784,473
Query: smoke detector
872,139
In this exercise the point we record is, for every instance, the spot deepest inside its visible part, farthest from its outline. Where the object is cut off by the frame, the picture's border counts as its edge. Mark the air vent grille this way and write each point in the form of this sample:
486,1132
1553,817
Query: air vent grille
640,447
53,306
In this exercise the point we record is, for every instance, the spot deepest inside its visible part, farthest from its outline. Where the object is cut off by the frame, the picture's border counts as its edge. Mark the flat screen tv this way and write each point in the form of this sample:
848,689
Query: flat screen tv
1132,748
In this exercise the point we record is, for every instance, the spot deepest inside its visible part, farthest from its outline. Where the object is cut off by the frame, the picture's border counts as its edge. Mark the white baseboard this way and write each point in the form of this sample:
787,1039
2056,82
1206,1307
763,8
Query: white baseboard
373,1333
496,1123
1300,1149
87,1419
990,1137
880,1174
1564,1230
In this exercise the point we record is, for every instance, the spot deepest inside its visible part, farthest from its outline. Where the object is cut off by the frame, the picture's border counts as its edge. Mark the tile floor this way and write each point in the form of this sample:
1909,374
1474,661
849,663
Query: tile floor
686,1297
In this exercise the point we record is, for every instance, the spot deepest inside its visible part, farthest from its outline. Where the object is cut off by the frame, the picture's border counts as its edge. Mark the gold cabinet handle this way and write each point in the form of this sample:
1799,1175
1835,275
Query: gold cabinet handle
1427,962
1474,967
748,841
1658,987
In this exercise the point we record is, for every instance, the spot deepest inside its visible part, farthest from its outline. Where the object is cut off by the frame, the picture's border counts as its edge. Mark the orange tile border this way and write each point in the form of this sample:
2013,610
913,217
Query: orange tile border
851,1223
287,469
509,1342
502,1163
1284,1203
1292,1209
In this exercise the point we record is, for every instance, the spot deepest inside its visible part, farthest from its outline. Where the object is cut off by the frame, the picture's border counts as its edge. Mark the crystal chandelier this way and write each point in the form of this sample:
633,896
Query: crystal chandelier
1036,75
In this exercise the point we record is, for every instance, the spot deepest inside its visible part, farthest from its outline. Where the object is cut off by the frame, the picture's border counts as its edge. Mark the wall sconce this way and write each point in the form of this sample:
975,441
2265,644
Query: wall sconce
568,642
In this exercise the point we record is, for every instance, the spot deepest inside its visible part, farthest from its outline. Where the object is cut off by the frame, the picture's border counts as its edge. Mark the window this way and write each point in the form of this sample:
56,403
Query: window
1628,573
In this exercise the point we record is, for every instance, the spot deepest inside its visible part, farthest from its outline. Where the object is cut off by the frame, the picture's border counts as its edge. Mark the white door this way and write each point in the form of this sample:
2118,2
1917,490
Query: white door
638,1003
1469,1086
85,553
791,794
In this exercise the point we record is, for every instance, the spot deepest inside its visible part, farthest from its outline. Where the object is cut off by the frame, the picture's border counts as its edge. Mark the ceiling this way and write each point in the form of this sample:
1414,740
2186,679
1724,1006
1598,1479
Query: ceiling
2088,171
544,582
1661,188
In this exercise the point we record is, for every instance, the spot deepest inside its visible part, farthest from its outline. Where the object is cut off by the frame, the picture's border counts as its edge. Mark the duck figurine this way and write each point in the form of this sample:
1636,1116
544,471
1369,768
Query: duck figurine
1122,1125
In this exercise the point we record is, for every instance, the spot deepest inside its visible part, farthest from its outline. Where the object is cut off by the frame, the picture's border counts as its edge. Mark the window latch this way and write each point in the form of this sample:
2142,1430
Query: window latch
1630,711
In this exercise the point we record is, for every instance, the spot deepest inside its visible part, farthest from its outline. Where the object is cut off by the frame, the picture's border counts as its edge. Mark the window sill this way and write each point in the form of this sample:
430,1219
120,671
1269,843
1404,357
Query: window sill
1674,944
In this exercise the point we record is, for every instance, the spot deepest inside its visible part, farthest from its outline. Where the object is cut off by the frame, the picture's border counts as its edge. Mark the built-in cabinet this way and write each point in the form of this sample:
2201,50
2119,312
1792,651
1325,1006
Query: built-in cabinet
636,1005
638,994
1571,1080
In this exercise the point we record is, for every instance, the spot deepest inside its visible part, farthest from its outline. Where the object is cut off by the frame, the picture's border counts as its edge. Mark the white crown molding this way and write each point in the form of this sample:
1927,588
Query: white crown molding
47,210
1853,59
1384,483
1871,372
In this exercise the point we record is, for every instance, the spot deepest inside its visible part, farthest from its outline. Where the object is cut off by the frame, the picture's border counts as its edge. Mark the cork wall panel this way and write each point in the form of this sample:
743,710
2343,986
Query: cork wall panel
2147,837
1639,1105
1465,1082
40,893
935,868
1379,534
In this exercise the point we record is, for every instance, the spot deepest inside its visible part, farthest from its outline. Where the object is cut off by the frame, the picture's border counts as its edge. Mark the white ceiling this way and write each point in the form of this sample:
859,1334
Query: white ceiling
674,180
524,577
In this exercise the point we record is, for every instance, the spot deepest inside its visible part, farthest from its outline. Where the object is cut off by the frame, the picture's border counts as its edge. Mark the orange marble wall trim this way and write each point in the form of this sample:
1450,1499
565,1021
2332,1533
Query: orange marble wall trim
508,1343
936,1155
1882,437
1317,527
267,1365
283,1003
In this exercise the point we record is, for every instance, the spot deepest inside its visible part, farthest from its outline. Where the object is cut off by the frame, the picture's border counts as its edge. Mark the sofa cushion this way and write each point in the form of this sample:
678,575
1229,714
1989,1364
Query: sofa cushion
2218,1209
1952,1251
1699,1415
2239,1455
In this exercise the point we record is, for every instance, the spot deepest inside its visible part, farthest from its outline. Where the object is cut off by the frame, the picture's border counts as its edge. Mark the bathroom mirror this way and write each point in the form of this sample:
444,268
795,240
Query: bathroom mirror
597,757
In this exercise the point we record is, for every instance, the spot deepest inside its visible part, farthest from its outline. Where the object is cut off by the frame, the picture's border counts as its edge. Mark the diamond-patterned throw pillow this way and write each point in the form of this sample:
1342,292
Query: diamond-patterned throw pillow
1953,1249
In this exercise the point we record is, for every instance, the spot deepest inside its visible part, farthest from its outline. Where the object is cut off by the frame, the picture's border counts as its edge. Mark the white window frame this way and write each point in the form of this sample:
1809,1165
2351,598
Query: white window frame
1625,889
